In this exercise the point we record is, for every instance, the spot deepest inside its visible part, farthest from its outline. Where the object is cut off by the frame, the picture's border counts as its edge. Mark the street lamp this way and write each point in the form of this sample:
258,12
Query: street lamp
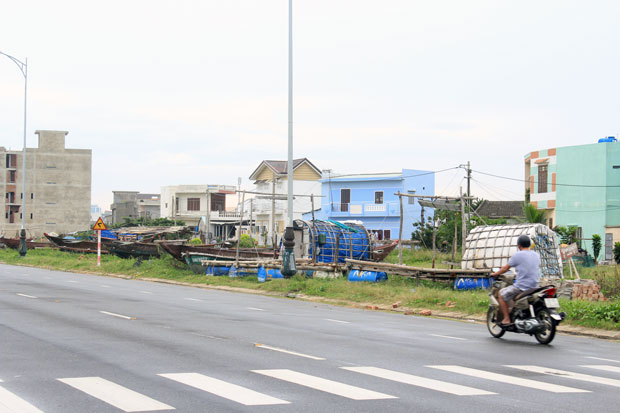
288,258
23,67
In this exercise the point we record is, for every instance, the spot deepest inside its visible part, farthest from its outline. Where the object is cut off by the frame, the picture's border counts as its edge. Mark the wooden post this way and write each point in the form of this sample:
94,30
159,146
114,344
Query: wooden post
350,247
312,231
208,237
434,240
273,213
239,230
251,214
463,223
337,249
312,202
455,240
400,231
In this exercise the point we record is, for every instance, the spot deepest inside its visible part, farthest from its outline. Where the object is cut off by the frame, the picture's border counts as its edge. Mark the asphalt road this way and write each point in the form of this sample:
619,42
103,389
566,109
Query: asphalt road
83,343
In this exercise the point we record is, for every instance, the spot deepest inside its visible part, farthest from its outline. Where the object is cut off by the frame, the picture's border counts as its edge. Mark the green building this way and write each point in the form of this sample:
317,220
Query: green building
580,186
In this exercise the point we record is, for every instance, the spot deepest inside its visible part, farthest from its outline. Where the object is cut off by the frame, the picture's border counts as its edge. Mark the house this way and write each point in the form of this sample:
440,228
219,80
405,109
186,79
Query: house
58,185
370,198
578,185
197,205
271,177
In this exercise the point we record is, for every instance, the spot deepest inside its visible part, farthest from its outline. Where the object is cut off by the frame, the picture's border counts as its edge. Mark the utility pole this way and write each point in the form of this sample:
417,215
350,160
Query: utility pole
468,179
251,214
208,237
239,230
463,223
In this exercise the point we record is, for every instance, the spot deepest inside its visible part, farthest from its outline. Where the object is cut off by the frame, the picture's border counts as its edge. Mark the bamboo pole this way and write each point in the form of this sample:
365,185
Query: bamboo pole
400,231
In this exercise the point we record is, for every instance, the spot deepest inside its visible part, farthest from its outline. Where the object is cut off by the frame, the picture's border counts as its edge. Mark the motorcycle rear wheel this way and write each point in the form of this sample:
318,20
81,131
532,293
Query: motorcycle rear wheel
495,330
547,335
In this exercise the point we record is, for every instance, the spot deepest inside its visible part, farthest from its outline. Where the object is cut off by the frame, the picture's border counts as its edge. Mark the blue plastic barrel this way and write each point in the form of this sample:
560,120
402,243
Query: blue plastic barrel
264,274
371,276
213,270
471,283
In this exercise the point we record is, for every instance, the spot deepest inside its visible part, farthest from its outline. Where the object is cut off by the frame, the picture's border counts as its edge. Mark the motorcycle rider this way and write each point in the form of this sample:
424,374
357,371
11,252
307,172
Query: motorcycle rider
527,264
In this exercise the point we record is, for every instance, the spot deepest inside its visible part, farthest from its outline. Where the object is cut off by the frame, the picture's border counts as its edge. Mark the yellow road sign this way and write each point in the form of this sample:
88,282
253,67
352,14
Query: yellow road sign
99,225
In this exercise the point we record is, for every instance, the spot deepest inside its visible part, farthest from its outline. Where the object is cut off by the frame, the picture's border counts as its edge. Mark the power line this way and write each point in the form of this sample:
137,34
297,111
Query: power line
392,173
556,184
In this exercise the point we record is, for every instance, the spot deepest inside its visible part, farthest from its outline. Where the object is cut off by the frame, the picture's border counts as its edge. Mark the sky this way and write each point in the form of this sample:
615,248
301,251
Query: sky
195,92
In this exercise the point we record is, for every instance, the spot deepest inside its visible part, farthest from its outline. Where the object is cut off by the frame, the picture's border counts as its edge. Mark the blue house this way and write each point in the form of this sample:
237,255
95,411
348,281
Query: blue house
370,199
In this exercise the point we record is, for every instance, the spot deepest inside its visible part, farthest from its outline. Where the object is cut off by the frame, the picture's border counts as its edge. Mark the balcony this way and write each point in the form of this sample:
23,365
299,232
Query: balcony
365,209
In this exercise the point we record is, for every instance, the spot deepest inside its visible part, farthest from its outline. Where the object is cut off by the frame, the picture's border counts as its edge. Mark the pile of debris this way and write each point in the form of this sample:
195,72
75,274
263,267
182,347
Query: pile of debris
587,290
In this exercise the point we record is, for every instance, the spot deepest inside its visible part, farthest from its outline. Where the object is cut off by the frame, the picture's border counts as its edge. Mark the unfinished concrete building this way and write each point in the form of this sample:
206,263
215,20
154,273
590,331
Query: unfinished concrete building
58,187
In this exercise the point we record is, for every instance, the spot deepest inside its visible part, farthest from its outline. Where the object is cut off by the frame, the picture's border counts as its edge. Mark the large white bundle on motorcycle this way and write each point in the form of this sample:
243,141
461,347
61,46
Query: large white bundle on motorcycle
491,246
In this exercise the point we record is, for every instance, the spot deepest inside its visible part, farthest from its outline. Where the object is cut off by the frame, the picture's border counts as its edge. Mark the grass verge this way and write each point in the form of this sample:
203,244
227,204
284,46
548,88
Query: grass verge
405,291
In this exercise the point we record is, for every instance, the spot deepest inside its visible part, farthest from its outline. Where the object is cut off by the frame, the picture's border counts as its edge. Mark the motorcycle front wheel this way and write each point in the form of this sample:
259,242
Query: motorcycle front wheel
495,330
545,336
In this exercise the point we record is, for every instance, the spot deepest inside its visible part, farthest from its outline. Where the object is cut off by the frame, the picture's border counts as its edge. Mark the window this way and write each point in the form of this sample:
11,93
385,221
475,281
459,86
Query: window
31,215
378,197
345,199
542,179
31,195
386,234
218,202
411,200
193,204
11,160
11,176
166,205
176,204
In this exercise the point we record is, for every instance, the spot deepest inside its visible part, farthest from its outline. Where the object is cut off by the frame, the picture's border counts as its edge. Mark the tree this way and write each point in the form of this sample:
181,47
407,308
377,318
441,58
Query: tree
533,215
596,246
567,235
617,252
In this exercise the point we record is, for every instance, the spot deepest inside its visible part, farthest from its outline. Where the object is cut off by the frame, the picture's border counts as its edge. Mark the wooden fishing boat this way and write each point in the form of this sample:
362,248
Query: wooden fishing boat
14,243
380,252
195,258
179,251
75,245
133,249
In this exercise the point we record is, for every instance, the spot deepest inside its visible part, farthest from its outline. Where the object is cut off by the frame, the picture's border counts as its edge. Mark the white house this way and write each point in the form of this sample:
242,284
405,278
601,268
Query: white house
270,177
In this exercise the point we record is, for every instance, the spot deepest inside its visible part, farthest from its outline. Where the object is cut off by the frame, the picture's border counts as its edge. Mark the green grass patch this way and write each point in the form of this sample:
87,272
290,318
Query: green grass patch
409,292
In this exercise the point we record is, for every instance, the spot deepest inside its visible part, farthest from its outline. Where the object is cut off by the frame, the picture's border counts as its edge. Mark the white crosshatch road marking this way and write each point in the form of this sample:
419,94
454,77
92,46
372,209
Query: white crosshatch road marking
517,381
224,389
419,381
569,375
10,403
116,395
328,386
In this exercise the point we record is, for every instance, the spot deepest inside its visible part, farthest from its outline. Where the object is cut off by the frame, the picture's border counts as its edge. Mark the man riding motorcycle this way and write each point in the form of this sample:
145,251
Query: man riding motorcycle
527,264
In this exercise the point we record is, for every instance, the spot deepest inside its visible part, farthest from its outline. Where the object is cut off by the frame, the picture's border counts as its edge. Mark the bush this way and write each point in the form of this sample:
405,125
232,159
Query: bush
195,241
596,246
617,252
247,241
584,310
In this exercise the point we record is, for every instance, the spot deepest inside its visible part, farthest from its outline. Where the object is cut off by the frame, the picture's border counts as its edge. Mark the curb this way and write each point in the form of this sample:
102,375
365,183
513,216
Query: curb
472,318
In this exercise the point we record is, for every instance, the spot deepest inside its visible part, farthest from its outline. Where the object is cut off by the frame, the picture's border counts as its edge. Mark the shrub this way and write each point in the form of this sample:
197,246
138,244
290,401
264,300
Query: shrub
596,246
617,252
247,241
195,241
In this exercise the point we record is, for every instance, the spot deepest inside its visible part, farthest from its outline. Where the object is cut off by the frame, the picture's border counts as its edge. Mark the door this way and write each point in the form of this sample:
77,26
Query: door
387,234
609,239
345,199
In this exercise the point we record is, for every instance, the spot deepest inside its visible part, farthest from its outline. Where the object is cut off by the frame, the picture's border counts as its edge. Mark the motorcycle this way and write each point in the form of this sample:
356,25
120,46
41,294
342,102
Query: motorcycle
533,312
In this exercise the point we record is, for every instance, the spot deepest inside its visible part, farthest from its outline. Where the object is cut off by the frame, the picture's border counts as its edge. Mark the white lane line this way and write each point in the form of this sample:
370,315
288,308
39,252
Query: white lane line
146,292
48,278
254,308
71,281
328,386
613,369
337,321
104,286
118,315
10,403
598,358
502,378
224,389
569,375
26,295
193,299
427,383
453,338
294,353
118,396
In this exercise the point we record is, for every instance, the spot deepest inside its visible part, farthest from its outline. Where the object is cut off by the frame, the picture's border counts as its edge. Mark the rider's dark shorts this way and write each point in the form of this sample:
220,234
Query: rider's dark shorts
510,292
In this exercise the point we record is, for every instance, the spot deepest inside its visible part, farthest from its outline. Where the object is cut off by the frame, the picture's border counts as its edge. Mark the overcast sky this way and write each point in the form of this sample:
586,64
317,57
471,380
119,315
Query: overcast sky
192,92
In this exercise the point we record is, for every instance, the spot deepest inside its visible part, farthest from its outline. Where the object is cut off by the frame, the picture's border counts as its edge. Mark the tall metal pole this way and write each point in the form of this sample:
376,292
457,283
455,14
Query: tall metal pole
288,259
23,67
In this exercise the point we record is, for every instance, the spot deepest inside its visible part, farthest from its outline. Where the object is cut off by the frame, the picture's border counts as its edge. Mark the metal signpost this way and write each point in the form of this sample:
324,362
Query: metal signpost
99,226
